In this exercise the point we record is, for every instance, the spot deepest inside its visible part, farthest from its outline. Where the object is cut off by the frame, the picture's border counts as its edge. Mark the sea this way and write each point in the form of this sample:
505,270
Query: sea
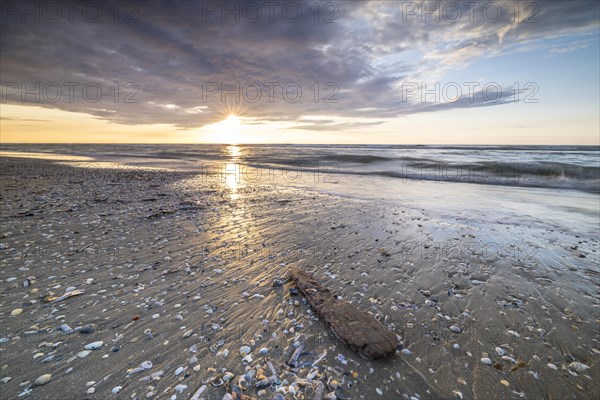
557,167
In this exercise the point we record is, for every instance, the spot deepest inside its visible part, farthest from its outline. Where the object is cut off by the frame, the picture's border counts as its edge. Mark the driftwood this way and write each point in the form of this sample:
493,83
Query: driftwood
361,331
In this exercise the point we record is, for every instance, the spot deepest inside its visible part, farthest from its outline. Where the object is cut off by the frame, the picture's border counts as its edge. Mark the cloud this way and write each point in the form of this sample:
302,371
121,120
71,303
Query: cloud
22,119
177,62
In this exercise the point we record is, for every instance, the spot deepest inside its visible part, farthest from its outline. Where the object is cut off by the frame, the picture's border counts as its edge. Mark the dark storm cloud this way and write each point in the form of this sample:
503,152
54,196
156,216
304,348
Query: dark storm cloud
168,56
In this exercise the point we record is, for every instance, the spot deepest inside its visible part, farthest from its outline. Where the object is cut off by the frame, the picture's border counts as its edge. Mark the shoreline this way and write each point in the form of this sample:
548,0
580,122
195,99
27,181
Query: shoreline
199,253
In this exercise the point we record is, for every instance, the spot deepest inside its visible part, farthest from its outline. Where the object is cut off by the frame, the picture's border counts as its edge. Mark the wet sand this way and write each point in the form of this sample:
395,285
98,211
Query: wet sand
179,270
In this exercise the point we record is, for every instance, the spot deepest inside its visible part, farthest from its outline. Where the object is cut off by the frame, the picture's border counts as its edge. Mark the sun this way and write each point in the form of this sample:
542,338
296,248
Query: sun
228,131
232,121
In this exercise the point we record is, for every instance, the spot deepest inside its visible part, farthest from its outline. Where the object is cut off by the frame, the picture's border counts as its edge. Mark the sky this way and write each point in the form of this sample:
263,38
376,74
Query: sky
183,71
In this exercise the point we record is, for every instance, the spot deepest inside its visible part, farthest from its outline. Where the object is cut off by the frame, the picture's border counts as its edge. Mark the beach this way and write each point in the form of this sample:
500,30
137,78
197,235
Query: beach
492,290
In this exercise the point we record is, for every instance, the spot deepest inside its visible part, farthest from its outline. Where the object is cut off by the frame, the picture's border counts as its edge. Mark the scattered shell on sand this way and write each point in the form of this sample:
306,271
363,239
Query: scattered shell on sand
94,345
579,367
505,383
16,311
486,361
455,329
552,366
42,380
83,353
245,350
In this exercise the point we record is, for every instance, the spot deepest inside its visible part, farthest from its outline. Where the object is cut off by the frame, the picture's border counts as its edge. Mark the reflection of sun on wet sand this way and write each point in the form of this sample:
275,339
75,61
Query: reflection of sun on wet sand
44,156
179,274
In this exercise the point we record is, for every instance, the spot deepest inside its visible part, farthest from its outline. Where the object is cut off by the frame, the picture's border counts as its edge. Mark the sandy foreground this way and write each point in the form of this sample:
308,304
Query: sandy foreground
179,281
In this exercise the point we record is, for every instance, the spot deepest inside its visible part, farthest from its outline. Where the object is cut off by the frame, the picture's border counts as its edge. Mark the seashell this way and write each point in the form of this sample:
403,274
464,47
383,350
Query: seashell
42,380
277,282
510,359
342,359
505,383
227,376
87,329
514,333
116,389
157,375
188,333
66,329
16,312
455,329
146,364
91,390
180,388
500,351
535,374
179,371
247,359
486,361
217,382
457,393
263,351
243,383
148,333
552,366
579,367
406,351
245,350
94,345
83,353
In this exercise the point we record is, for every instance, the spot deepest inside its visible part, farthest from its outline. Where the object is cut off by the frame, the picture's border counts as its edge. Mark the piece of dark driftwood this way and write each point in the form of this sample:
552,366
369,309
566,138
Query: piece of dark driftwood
361,331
